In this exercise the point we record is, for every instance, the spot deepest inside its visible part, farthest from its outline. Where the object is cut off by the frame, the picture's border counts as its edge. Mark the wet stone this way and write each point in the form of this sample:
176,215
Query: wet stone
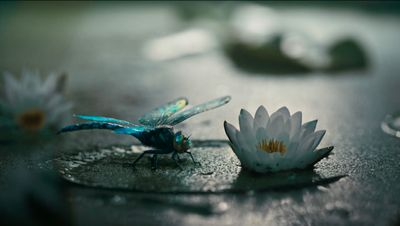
220,171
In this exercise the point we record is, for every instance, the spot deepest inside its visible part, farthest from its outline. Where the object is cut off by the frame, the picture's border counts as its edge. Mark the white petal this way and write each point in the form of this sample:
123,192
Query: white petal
283,111
54,84
323,152
246,126
232,134
306,143
261,118
275,162
295,126
237,149
54,101
318,137
245,120
242,142
293,154
275,127
238,152
58,114
285,132
11,88
231,131
248,150
238,146
261,134
308,128
316,156
49,85
244,150
304,154
257,160
260,161
307,148
293,146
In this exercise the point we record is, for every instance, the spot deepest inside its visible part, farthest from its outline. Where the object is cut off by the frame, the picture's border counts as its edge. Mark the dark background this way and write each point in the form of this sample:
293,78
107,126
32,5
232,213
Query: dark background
100,46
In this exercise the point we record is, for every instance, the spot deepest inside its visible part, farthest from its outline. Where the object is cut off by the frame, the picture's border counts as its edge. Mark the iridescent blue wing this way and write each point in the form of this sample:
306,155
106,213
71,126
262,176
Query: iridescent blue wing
100,122
134,130
182,116
161,114
103,119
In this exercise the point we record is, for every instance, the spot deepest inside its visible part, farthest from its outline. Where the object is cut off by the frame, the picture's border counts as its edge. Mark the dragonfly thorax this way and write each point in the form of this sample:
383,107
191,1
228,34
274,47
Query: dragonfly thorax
182,143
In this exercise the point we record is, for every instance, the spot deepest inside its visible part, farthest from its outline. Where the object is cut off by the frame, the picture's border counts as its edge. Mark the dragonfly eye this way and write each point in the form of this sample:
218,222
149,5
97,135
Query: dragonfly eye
181,143
178,138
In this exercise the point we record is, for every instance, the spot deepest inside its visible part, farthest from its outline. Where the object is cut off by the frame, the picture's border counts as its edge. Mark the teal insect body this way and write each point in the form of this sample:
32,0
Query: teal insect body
155,129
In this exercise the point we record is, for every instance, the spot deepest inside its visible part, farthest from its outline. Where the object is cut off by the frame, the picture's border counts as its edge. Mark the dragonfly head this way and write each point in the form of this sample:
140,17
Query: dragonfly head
182,143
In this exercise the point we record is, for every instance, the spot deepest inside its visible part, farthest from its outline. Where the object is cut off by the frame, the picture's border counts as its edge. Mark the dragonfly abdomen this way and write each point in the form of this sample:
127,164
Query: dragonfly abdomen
90,125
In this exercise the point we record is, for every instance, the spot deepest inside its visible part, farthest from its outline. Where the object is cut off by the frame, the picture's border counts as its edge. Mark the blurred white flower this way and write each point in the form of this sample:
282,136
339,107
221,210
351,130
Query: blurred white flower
32,104
275,143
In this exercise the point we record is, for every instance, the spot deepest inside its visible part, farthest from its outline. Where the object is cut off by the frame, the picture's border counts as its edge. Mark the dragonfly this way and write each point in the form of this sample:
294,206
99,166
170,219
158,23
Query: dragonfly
155,128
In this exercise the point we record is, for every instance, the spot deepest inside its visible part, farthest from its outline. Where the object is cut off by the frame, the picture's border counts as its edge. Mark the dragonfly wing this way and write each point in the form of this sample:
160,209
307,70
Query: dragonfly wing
134,130
103,119
182,116
161,114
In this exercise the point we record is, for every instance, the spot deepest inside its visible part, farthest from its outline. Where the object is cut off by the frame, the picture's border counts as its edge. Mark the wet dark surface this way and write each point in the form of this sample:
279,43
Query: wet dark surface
101,50
219,171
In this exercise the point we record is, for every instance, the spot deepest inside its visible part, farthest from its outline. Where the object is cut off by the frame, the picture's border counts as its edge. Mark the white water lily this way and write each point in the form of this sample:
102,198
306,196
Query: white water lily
32,104
275,143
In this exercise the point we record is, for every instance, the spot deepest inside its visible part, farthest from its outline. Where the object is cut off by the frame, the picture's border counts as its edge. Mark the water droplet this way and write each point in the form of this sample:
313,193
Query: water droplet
221,207
338,208
118,200
250,192
391,124
322,188
207,173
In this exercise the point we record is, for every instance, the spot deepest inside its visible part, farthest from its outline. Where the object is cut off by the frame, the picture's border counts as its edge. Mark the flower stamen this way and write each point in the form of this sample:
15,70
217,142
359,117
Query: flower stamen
32,119
271,146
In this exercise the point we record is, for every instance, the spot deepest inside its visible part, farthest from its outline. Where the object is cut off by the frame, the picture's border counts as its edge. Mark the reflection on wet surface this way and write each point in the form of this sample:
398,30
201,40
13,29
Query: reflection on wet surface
391,124
220,171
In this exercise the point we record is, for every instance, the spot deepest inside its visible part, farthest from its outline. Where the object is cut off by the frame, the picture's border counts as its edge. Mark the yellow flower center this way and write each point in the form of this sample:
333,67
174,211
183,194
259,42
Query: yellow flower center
272,146
32,119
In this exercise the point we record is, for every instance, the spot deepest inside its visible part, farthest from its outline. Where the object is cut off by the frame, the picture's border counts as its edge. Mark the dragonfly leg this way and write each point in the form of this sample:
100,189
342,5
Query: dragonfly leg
154,162
178,157
138,158
153,159
191,156
174,156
